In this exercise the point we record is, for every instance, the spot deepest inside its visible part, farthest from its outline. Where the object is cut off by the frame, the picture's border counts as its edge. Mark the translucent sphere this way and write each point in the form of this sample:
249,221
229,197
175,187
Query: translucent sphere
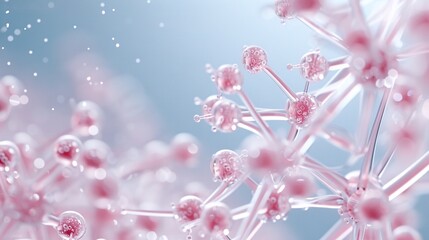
71,225
184,148
95,153
216,217
67,149
284,9
9,155
226,166
278,204
299,185
86,118
188,208
228,79
301,110
254,59
226,115
314,67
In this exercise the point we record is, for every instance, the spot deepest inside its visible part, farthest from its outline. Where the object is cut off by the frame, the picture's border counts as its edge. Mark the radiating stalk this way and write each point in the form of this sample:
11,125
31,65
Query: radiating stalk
407,178
368,162
338,232
282,85
323,32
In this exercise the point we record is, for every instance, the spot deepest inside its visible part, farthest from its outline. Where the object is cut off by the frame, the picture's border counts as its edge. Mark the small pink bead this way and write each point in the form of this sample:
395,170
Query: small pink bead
67,149
301,110
188,208
71,225
300,186
278,204
254,59
306,5
373,209
216,218
95,153
86,118
405,96
206,109
184,148
9,155
228,79
263,157
226,115
104,189
284,9
314,67
226,166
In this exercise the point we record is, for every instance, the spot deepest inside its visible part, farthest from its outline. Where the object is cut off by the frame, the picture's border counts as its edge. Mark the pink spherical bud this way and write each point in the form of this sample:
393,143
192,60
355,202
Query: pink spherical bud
184,148
254,59
67,149
188,208
299,185
86,118
228,79
373,208
278,204
314,66
9,155
301,110
95,153
226,166
71,225
106,188
263,157
216,218
207,107
405,96
226,115
306,5
284,9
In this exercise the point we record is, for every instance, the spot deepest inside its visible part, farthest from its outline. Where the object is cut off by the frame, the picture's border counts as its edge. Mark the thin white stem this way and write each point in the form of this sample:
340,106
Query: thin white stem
259,200
369,155
323,32
358,231
259,223
420,49
367,101
339,63
330,201
250,127
331,179
266,115
407,178
387,158
268,134
338,232
148,213
282,85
